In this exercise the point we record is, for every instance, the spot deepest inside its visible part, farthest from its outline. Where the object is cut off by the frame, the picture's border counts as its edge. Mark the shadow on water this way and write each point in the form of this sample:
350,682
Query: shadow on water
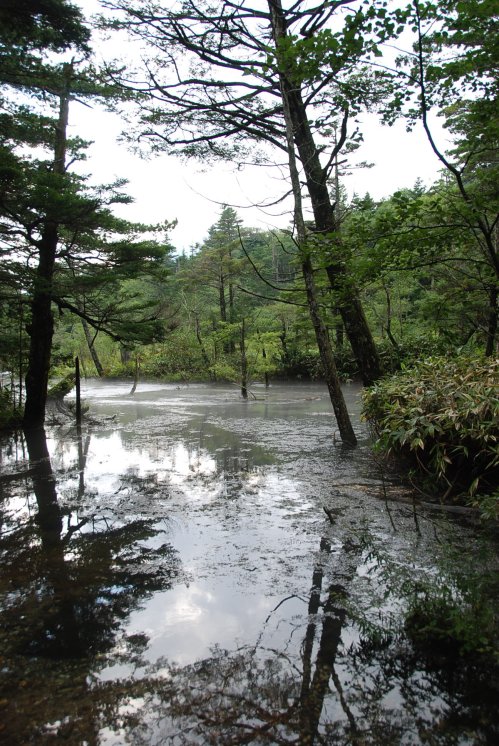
69,583
320,688
170,576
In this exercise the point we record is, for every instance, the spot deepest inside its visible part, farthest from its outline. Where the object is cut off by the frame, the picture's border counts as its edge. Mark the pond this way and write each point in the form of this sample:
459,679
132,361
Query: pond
196,568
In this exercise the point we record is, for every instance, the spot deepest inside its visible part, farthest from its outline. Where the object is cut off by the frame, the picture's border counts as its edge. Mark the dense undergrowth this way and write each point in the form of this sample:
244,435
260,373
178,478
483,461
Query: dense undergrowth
440,418
179,358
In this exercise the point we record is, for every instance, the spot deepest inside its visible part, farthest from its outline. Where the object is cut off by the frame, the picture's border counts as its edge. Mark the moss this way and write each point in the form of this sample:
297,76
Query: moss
63,387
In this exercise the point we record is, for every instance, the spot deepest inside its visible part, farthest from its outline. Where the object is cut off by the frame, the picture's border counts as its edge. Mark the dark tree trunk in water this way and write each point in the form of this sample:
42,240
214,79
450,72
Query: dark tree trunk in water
324,344
78,392
349,304
41,328
135,375
314,688
49,516
321,334
41,331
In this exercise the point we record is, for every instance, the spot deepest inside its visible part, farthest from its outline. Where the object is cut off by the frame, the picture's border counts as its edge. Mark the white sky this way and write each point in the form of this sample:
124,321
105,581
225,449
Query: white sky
164,188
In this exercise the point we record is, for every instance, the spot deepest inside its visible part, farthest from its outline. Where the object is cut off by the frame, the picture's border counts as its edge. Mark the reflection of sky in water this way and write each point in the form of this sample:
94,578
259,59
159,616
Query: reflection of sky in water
232,521
237,489
186,622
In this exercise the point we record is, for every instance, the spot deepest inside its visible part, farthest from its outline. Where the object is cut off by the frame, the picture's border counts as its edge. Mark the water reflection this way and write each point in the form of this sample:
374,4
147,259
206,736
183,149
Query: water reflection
71,579
317,688
175,579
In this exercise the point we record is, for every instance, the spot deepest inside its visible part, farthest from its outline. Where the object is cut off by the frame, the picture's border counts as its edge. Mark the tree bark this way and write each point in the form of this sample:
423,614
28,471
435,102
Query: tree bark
490,346
349,304
265,372
347,434
41,331
41,327
204,354
324,344
91,347
135,374
221,298
244,363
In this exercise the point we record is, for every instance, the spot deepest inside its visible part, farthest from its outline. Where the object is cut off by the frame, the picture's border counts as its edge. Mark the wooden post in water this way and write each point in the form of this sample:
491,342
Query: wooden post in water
244,363
78,391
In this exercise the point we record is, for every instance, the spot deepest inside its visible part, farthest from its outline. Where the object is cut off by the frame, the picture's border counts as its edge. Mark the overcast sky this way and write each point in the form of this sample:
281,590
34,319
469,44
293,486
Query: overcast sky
164,188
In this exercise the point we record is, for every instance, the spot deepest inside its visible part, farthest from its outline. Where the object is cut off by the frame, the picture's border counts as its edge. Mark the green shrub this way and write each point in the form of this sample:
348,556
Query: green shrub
443,619
10,417
442,416
412,347
301,363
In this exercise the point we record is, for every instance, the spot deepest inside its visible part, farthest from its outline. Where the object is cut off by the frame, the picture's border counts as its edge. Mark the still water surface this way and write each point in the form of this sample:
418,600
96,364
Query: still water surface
171,577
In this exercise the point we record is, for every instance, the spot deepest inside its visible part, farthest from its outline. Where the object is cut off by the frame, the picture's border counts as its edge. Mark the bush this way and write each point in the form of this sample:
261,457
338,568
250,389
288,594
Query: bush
413,347
442,416
10,417
301,363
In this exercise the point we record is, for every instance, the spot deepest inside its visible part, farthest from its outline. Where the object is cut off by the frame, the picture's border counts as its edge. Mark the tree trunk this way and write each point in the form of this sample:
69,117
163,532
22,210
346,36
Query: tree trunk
78,393
265,372
204,354
324,344
91,346
358,332
321,334
41,328
388,327
125,355
349,304
283,336
221,298
264,358
490,346
135,374
21,356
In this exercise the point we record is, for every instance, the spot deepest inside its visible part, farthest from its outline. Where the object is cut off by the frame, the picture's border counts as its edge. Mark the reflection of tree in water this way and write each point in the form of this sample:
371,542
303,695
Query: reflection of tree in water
254,695
234,460
67,590
220,461
367,693
69,584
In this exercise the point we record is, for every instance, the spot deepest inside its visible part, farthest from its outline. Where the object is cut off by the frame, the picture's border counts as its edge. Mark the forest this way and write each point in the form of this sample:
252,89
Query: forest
249,488
399,293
